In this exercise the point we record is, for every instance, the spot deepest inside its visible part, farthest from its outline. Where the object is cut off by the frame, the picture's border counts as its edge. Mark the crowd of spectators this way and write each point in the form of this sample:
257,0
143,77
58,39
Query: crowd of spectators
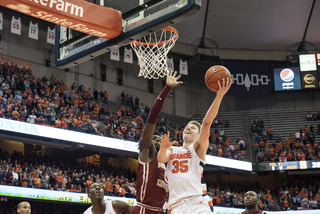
313,116
223,146
53,174
50,102
297,147
219,144
231,194
300,193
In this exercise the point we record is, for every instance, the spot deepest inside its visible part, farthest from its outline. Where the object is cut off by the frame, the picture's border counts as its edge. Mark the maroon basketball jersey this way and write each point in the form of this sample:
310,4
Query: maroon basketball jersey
151,184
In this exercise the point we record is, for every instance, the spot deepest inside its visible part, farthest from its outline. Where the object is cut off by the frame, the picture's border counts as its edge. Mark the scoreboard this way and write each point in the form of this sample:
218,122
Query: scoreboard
290,165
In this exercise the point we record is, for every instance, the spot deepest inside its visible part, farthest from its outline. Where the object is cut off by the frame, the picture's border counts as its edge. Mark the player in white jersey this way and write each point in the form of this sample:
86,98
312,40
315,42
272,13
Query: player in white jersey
185,164
100,206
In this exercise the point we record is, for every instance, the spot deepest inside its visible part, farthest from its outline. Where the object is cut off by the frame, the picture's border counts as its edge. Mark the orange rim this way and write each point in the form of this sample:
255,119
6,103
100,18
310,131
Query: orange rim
168,28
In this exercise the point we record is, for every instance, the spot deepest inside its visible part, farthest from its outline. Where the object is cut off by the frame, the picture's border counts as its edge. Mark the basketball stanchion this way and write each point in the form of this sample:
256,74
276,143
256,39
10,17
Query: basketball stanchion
152,51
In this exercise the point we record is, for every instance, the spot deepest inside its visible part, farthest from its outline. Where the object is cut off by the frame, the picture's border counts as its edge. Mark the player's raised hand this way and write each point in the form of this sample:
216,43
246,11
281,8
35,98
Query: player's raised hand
165,141
172,80
224,86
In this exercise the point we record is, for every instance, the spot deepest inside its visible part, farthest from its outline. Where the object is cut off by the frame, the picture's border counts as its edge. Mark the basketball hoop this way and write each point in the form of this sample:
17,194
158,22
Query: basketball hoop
152,52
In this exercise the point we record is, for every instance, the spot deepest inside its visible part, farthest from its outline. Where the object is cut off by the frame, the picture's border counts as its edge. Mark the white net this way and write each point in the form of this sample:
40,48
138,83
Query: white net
152,52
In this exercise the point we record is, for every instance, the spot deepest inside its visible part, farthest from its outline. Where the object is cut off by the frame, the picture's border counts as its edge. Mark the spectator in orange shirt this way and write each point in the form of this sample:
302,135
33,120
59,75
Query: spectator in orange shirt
108,187
289,156
15,114
117,188
285,204
77,122
59,179
261,144
218,200
219,151
37,182
122,191
306,129
89,181
106,97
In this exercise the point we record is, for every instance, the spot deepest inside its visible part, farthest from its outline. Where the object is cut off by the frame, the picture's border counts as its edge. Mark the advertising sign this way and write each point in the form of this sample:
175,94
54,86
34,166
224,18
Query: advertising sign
286,79
309,80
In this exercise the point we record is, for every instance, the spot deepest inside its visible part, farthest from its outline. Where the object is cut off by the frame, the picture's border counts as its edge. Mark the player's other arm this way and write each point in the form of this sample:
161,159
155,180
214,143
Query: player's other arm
165,151
146,148
121,207
202,143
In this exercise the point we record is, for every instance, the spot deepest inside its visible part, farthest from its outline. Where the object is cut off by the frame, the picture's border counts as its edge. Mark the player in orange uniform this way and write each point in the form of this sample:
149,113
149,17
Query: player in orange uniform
251,203
151,184
185,164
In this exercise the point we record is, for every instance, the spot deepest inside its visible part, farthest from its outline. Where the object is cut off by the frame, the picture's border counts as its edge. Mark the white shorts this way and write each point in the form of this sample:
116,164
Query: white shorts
193,205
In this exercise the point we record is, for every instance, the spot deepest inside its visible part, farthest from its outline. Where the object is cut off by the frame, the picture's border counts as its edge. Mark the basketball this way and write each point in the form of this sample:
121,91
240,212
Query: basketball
214,74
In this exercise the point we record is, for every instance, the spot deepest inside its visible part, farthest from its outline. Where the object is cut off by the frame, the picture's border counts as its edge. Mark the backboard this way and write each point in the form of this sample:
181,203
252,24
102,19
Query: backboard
140,17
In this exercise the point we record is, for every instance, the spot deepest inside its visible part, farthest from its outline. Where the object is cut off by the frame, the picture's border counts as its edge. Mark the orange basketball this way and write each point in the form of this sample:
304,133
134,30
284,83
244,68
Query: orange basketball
214,74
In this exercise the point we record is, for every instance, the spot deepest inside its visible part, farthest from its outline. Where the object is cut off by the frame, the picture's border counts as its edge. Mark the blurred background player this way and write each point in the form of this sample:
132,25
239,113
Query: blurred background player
185,164
251,203
100,206
151,184
24,208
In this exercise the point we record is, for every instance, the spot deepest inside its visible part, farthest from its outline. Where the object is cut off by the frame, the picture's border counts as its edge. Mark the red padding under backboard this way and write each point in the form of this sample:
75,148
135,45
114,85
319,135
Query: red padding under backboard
78,15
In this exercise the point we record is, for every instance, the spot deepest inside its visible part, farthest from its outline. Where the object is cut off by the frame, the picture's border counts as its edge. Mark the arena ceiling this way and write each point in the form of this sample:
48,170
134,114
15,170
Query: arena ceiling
251,29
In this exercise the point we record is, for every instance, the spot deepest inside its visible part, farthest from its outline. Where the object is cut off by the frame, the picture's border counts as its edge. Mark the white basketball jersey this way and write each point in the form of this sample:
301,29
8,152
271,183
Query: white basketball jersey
184,171
109,209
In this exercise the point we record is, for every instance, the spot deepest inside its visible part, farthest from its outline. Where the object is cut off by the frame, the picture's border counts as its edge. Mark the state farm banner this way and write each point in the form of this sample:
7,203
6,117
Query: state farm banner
250,77
78,15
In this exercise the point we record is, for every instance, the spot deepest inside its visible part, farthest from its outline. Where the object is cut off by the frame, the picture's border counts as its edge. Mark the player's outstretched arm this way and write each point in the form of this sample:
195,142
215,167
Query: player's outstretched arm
121,207
165,151
145,145
202,144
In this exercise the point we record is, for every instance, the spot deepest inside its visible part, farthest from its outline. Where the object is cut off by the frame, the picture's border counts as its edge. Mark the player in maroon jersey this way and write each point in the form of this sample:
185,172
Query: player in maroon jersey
24,208
251,201
151,184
